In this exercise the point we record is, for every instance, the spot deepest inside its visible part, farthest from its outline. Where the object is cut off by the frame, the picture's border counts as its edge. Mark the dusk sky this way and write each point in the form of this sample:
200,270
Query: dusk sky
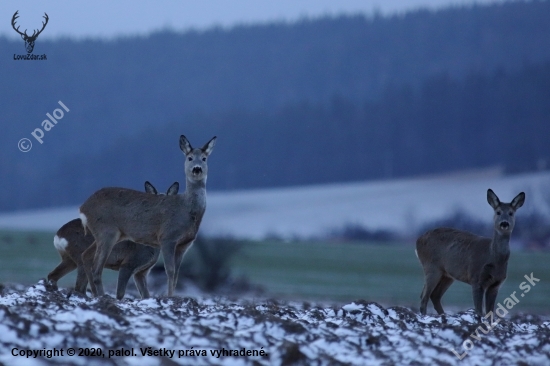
107,19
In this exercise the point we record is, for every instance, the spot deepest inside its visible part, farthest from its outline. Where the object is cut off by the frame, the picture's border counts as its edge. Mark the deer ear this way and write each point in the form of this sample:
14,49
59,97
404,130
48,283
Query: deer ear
492,199
209,146
173,190
185,146
149,188
518,201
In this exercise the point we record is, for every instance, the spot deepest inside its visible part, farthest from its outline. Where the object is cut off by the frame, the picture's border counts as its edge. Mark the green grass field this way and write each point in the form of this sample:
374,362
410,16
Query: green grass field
25,257
389,274
336,272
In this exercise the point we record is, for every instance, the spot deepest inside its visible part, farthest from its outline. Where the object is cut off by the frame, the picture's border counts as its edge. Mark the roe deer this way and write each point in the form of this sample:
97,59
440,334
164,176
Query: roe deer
168,222
449,254
127,257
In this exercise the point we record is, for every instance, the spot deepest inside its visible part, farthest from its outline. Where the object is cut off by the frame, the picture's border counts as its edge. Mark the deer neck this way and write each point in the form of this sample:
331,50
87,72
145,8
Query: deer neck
195,195
500,246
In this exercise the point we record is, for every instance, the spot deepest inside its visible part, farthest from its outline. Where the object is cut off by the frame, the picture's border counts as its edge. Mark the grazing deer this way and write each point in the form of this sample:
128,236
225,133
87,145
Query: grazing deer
127,257
168,222
449,254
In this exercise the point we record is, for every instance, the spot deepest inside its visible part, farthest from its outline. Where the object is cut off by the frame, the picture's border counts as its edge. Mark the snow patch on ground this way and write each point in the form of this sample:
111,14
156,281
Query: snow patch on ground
197,329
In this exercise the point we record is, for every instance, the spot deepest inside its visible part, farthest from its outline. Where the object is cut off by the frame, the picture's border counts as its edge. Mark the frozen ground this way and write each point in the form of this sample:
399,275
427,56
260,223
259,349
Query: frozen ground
199,329
398,205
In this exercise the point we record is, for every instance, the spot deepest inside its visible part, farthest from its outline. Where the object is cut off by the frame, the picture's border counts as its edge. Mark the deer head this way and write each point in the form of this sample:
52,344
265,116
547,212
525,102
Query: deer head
504,217
29,40
196,168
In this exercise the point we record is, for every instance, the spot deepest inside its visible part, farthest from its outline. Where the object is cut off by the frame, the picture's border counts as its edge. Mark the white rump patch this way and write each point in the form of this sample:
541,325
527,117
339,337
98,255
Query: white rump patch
84,220
60,243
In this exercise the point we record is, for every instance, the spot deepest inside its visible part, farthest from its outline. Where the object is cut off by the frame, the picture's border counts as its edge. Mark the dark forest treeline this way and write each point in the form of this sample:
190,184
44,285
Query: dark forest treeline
317,101
267,66
500,119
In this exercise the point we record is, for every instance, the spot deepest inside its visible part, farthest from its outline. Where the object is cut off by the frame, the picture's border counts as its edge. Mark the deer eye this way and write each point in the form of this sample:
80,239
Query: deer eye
190,158
203,159
511,213
498,213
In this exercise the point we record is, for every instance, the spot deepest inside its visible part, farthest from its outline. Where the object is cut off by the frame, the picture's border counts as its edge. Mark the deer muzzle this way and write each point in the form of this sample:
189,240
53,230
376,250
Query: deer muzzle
197,170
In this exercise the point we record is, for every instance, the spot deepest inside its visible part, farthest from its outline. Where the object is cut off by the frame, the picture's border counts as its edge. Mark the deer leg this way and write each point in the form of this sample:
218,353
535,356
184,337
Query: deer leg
81,280
431,281
67,265
439,291
87,259
124,275
491,297
477,291
104,243
140,278
169,254
180,252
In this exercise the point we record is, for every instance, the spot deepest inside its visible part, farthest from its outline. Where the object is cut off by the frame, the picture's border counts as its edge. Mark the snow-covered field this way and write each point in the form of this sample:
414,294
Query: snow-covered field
37,320
398,205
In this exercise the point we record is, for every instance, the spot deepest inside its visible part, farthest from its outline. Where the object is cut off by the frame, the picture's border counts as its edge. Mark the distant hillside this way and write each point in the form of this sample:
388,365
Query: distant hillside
305,83
316,211
501,119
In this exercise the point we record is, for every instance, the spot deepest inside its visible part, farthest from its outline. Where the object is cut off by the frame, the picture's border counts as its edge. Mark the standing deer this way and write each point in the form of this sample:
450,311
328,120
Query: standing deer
168,222
449,254
127,257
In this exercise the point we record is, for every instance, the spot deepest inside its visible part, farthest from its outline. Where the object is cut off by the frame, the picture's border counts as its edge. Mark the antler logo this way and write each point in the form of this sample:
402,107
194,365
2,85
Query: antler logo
29,40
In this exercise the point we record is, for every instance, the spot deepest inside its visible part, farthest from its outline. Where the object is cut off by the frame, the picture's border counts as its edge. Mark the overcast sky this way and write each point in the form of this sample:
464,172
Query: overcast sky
112,18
